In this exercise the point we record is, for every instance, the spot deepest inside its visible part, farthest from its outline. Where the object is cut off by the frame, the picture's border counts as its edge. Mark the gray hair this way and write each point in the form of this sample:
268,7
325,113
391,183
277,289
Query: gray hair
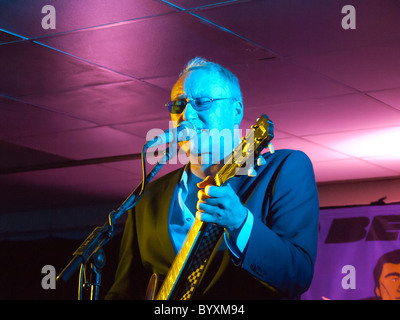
201,63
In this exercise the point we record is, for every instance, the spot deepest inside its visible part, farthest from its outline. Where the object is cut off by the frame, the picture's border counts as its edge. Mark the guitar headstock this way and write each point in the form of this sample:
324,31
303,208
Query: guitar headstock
246,153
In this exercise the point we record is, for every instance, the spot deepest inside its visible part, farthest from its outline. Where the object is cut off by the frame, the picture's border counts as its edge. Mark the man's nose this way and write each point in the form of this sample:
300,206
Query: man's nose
189,113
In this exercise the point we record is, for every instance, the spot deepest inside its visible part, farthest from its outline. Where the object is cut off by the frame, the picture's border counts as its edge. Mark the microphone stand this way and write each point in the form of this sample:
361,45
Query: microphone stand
92,248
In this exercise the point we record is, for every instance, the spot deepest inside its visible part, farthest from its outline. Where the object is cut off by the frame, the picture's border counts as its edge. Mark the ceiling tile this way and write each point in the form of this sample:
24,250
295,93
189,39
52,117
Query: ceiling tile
143,128
14,156
314,152
291,27
366,68
159,52
187,4
277,80
19,119
383,142
390,97
165,83
24,17
333,114
349,169
6,37
35,69
392,163
84,144
109,103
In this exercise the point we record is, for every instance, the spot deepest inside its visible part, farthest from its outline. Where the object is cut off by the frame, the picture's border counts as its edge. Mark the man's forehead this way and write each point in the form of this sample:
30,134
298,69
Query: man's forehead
197,83
391,267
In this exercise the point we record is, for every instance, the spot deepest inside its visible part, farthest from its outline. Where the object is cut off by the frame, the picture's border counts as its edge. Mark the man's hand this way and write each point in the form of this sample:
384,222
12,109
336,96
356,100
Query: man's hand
220,205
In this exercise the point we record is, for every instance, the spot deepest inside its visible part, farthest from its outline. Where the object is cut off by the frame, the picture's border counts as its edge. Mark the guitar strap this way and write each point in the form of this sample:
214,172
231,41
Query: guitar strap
203,252
207,243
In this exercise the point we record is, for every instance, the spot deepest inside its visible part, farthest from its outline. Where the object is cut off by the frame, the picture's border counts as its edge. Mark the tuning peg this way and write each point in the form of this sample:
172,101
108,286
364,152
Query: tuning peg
251,172
261,161
271,148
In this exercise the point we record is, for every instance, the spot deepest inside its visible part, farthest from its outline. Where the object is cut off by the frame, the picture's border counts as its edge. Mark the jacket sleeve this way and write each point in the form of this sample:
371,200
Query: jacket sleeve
282,247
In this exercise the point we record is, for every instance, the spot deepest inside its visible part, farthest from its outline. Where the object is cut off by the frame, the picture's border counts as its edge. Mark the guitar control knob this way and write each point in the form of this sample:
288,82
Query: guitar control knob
251,172
271,148
261,161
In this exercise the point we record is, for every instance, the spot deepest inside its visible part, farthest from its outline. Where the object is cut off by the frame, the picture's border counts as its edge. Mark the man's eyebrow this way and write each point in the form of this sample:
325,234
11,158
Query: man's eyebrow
392,274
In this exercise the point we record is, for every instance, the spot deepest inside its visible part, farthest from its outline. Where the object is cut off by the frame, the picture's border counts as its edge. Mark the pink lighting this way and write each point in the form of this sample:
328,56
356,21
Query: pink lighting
382,143
97,83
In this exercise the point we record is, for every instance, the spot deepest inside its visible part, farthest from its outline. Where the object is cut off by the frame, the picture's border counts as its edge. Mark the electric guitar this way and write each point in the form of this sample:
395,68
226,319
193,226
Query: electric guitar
186,270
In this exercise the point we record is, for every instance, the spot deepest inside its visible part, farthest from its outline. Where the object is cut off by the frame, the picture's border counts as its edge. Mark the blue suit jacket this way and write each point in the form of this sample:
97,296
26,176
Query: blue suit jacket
278,261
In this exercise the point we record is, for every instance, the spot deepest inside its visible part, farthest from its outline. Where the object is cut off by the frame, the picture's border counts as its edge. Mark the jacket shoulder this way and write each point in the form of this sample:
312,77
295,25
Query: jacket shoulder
165,180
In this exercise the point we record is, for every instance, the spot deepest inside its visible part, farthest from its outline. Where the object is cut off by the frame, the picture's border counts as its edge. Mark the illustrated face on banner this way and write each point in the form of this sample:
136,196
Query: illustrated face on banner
389,282
358,254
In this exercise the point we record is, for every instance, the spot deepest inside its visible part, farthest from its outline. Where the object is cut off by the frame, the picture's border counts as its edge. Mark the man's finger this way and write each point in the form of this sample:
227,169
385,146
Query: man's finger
210,208
205,217
216,192
207,181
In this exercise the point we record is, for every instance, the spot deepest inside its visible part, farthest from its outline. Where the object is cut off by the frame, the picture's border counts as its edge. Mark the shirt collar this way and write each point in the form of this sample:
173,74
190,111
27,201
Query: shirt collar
183,181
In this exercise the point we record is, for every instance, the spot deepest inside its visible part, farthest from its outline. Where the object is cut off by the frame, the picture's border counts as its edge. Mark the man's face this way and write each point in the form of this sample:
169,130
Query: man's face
221,118
389,282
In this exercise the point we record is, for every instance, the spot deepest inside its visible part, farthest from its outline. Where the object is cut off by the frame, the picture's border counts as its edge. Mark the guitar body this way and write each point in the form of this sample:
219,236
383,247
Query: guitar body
185,273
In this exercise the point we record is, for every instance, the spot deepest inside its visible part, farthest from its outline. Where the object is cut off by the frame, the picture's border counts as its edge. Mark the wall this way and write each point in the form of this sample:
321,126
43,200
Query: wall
358,192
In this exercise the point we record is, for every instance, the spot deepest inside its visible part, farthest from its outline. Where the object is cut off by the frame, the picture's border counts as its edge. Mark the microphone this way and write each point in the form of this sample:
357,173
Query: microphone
184,132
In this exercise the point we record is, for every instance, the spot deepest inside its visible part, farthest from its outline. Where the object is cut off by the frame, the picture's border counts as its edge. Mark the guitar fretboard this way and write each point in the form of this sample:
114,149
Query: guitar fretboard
180,261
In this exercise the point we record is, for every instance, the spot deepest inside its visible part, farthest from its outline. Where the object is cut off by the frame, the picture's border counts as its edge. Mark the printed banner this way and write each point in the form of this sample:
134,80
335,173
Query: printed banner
358,254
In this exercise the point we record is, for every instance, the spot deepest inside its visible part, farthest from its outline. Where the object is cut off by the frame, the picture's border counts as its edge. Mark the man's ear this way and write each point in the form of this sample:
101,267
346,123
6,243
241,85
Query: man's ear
377,292
238,112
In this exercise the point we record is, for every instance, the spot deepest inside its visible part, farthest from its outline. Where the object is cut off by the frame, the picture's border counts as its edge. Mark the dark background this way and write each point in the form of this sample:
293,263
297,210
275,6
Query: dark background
22,263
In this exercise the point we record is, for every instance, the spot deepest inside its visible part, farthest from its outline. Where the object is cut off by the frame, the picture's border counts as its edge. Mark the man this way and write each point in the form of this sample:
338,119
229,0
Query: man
387,276
270,221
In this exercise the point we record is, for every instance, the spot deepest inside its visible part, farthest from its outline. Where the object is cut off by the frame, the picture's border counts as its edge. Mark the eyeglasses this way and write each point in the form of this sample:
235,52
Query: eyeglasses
198,104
